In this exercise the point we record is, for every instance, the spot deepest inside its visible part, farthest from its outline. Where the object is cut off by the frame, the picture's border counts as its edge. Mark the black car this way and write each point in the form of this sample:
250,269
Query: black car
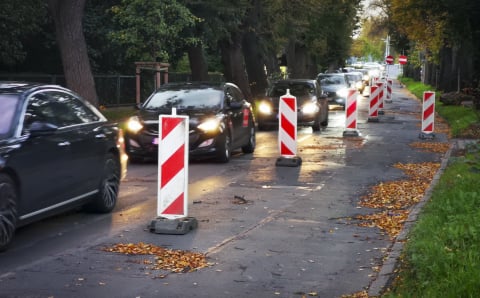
336,86
220,120
312,104
56,152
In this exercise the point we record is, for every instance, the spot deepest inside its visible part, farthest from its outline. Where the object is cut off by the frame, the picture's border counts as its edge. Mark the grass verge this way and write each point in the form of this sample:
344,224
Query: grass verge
442,255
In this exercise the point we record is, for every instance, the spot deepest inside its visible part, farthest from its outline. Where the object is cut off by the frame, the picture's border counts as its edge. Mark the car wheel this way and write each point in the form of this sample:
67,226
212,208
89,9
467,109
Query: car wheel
224,153
250,147
106,198
8,211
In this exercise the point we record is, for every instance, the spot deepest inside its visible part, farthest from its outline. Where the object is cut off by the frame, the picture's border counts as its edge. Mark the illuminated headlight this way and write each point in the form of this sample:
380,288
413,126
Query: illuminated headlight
134,125
309,108
209,125
265,108
359,85
342,92
366,78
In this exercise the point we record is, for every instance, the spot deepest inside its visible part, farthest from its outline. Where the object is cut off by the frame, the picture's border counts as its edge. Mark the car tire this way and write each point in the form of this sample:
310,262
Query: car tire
224,149
250,147
106,198
8,211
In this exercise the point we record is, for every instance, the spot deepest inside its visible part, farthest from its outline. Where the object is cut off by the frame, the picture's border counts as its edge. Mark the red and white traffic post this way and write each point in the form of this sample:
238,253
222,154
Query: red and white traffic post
351,114
428,115
381,95
373,104
389,91
287,131
172,196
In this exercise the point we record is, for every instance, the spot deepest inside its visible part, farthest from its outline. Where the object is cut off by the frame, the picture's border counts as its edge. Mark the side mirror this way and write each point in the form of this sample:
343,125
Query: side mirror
38,128
235,105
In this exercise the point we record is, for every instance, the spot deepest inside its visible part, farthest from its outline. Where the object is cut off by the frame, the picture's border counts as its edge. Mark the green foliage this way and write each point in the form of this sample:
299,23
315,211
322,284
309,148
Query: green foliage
18,20
152,30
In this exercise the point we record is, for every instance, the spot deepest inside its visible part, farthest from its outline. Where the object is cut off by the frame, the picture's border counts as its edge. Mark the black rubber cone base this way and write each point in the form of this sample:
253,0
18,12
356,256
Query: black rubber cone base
179,226
294,161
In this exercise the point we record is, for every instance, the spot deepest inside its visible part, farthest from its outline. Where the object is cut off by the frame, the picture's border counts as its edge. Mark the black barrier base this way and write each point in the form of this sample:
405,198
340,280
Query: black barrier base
373,119
381,112
294,161
426,136
351,133
179,226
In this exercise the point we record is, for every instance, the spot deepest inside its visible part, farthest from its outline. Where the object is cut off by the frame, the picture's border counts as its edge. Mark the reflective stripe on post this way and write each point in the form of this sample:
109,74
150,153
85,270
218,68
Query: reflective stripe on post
373,106
351,114
287,136
287,131
172,167
428,114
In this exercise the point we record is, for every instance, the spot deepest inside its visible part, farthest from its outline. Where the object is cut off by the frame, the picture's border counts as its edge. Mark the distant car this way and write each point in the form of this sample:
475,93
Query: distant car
221,120
312,104
355,79
335,85
57,152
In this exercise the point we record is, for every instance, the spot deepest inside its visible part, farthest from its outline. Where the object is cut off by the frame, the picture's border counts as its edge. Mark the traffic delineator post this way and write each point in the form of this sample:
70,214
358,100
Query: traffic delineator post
351,114
373,104
389,91
381,95
428,115
287,131
172,195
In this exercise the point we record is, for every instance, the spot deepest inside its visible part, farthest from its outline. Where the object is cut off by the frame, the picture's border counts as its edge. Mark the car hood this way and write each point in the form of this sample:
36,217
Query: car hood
300,99
333,88
195,116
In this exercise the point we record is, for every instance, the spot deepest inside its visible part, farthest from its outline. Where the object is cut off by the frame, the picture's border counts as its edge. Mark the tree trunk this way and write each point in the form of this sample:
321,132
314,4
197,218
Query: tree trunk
67,16
198,64
233,63
254,58
300,63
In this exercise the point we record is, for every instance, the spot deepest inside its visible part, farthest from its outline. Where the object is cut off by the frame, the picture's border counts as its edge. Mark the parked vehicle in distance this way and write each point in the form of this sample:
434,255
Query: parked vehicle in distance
57,152
335,85
355,80
312,104
220,120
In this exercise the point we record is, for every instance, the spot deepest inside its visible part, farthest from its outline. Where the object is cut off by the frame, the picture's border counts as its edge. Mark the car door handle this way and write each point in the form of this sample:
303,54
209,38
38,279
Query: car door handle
100,136
63,144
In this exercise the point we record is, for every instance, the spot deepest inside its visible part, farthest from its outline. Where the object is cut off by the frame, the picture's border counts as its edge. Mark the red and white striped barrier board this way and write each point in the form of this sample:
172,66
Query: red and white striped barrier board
389,90
381,94
428,112
374,103
351,114
287,135
172,167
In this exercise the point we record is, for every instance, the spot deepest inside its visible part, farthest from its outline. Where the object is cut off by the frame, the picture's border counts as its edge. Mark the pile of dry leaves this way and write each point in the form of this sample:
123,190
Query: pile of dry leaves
177,261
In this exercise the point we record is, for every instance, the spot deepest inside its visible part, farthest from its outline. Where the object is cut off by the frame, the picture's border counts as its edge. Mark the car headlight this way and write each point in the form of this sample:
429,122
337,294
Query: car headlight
342,92
359,85
309,108
209,125
134,125
265,108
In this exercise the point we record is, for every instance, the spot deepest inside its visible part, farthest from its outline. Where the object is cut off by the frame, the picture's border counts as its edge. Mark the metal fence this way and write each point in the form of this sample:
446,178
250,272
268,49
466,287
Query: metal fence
112,90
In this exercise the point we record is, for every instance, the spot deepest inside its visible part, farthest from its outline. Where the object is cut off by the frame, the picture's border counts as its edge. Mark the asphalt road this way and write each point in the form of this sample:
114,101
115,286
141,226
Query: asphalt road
292,237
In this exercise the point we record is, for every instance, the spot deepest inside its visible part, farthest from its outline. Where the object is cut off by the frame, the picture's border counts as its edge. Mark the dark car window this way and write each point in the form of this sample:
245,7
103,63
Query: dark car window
185,99
59,108
332,80
299,89
8,104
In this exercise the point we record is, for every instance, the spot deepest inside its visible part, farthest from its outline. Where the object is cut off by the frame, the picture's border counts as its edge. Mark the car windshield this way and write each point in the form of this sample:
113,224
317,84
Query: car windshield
186,99
8,104
331,80
295,90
